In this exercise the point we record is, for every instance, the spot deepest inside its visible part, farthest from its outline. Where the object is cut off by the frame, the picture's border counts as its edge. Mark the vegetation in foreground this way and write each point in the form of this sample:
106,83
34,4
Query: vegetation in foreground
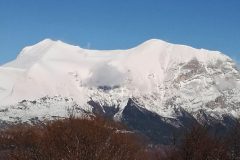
101,139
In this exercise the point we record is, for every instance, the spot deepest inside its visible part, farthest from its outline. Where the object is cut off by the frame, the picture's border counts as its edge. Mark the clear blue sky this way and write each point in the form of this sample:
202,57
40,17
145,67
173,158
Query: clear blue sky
120,24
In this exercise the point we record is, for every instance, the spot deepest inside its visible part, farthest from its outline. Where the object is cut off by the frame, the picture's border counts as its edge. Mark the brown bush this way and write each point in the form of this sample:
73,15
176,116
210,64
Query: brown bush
71,139
199,143
101,139
233,142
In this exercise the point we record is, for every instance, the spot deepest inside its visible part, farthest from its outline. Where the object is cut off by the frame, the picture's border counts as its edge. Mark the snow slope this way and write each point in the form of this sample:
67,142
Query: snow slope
159,76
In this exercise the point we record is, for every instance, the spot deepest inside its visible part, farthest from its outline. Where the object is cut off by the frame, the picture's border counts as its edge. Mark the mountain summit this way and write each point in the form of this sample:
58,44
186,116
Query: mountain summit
156,77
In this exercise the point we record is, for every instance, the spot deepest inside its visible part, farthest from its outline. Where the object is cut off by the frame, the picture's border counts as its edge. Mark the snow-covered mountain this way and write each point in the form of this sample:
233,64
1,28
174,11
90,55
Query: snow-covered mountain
164,79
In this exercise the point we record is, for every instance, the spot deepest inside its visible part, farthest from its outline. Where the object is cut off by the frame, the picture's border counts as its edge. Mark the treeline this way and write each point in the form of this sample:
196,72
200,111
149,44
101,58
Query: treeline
101,139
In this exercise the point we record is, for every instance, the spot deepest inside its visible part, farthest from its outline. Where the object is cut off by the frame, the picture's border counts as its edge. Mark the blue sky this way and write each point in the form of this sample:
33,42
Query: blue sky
120,24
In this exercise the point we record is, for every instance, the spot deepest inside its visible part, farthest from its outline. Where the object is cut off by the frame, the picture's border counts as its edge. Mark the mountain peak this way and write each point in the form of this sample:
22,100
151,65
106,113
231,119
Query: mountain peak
153,42
47,40
37,49
32,54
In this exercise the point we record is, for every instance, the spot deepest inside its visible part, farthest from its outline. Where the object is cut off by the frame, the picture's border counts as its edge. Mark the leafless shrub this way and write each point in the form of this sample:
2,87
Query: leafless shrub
71,139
